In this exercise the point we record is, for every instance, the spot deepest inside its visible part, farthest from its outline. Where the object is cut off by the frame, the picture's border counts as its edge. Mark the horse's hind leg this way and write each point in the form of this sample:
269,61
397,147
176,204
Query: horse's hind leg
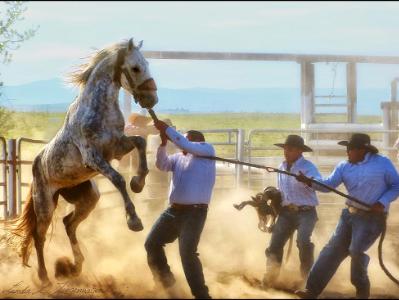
85,197
128,144
44,205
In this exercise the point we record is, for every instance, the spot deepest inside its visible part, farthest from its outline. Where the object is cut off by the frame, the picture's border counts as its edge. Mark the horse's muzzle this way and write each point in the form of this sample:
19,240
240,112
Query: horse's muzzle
146,94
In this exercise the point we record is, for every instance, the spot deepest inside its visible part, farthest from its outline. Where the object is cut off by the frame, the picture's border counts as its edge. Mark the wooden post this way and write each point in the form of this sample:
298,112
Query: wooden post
307,97
127,104
351,91
388,109
12,178
394,109
394,90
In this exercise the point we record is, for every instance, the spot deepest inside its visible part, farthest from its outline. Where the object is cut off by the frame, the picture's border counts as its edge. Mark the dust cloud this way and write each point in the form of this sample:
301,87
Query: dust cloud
231,250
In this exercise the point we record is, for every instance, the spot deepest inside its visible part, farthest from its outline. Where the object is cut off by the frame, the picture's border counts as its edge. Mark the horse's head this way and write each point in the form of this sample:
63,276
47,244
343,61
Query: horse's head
132,70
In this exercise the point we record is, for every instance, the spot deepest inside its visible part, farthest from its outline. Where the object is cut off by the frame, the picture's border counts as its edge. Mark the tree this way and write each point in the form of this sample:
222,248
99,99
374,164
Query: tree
10,40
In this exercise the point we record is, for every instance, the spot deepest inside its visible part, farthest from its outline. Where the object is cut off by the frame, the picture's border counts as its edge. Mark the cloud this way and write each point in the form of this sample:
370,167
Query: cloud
50,51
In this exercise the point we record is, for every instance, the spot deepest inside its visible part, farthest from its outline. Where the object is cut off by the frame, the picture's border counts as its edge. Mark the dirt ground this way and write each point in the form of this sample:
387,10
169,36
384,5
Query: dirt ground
231,250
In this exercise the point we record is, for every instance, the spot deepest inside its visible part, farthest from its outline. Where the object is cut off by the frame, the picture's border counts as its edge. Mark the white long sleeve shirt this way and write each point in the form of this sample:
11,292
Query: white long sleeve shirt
193,177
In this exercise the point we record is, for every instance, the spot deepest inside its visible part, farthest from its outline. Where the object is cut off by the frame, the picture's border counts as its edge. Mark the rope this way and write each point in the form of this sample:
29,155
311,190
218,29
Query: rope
270,169
380,258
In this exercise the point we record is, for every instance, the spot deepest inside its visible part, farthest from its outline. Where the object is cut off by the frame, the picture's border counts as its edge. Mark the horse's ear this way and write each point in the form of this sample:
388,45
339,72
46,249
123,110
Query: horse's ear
140,44
130,45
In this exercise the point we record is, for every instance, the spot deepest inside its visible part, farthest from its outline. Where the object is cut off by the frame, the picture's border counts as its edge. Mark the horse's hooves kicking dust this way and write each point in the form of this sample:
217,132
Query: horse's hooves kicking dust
64,268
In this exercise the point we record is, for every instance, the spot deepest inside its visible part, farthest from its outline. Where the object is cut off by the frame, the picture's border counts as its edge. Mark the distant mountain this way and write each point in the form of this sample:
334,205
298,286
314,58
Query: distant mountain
53,95
52,91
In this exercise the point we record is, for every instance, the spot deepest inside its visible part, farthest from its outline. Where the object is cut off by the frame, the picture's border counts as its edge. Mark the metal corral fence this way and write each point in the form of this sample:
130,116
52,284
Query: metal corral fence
3,183
228,138
258,148
13,161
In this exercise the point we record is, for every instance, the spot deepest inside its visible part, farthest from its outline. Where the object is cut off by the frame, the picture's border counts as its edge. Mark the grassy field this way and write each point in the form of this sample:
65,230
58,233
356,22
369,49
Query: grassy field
44,125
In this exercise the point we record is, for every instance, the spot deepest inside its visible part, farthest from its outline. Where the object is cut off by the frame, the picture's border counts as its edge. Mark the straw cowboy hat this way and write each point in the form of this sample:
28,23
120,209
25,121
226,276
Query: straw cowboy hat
294,140
359,140
139,120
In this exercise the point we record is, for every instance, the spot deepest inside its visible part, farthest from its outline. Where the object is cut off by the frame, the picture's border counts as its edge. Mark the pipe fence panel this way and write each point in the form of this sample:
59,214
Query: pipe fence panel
229,143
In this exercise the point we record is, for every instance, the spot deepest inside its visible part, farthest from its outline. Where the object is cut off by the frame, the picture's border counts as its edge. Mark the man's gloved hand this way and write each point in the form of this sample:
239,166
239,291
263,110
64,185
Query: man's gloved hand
302,178
161,126
164,138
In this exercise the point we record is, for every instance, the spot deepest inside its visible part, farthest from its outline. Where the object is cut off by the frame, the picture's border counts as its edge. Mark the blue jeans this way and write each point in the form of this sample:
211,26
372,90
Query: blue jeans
287,223
187,226
354,235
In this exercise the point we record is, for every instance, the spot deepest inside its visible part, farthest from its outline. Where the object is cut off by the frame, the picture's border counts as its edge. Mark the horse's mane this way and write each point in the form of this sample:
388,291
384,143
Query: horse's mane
81,75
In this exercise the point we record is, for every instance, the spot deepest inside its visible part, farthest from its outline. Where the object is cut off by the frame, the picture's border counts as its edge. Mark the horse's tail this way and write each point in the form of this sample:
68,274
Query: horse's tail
23,229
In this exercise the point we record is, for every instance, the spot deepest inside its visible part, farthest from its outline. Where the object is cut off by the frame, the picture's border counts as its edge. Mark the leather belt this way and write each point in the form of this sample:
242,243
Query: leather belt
188,206
354,210
296,208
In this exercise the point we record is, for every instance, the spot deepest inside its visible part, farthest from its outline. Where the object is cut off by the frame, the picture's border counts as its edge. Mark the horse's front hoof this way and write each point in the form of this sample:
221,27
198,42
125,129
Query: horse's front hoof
134,223
137,184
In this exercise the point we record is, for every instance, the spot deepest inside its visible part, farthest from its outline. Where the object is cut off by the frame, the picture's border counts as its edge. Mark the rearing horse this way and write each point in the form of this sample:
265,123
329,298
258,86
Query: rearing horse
91,136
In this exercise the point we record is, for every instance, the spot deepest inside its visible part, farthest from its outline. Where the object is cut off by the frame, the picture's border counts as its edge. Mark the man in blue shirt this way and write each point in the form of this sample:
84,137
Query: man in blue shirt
298,211
190,193
373,180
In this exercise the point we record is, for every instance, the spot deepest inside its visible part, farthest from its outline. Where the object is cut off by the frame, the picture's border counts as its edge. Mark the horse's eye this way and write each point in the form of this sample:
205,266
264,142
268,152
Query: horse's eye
136,69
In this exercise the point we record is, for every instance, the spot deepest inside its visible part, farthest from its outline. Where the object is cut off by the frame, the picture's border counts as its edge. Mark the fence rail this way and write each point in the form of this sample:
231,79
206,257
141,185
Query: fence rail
11,161
238,144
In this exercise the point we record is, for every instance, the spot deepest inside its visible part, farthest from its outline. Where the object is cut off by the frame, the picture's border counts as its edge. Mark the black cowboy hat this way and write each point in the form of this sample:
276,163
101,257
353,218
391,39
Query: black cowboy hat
295,141
359,140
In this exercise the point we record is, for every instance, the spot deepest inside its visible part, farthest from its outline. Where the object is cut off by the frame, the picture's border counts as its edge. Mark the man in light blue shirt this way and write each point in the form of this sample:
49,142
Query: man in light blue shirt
373,180
298,211
190,193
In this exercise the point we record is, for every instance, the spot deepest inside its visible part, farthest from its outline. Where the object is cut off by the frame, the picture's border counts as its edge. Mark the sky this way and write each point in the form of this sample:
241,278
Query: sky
69,31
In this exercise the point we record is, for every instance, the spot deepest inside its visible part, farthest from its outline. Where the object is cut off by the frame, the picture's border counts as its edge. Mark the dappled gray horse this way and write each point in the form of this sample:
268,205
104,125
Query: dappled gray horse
91,136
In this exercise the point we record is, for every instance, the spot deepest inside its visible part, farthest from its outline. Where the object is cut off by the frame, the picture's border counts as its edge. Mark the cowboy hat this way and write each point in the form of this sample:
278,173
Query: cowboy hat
139,120
294,140
359,140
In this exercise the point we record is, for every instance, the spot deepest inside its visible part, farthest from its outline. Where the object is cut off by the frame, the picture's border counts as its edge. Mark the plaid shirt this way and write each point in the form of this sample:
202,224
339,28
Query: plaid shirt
295,192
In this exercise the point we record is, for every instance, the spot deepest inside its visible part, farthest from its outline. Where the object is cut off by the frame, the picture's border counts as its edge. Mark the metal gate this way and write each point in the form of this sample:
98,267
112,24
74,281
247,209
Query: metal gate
3,170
